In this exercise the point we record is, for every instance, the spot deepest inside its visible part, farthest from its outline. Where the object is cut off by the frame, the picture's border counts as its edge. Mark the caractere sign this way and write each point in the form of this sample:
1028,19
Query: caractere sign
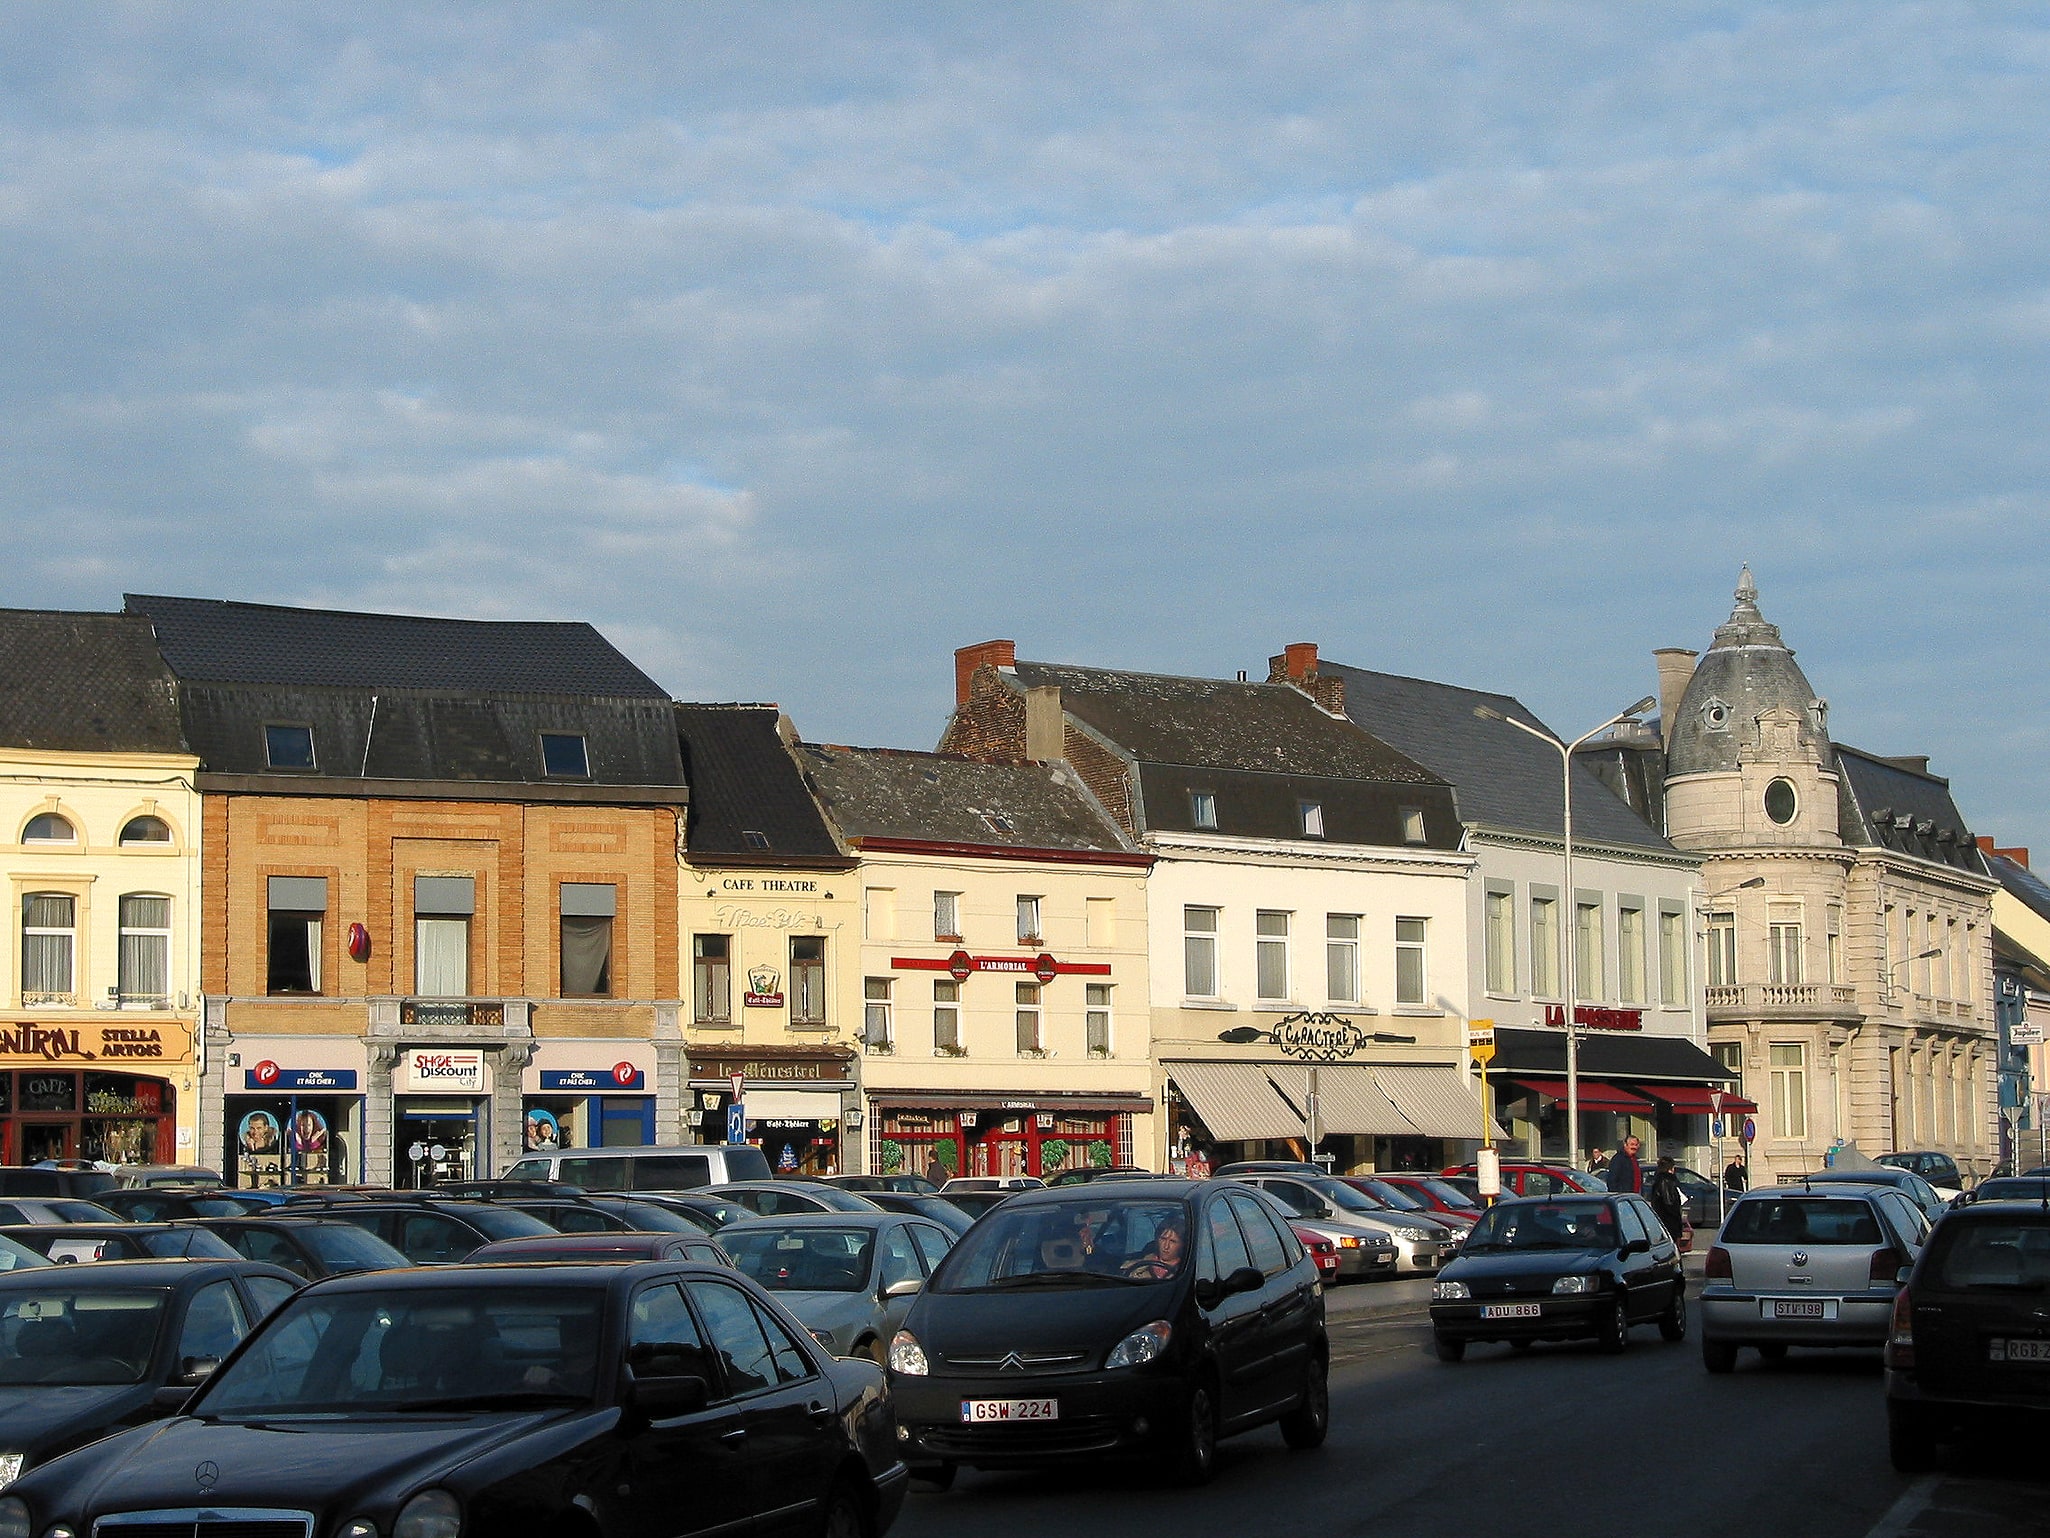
436,1070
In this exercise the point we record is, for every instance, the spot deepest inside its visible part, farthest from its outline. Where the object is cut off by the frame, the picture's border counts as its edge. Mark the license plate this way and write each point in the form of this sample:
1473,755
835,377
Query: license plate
976,1411
2018,1350
1799,1308
1511,1310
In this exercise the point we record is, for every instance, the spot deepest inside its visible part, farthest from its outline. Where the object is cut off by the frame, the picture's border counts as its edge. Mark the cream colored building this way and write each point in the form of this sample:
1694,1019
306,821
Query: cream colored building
100,832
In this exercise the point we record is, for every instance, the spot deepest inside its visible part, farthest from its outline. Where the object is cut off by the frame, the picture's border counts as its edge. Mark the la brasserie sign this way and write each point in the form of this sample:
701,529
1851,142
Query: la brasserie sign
1596,1018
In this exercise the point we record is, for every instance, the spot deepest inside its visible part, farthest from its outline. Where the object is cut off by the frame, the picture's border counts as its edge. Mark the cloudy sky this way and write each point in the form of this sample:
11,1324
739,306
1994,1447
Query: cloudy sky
796,345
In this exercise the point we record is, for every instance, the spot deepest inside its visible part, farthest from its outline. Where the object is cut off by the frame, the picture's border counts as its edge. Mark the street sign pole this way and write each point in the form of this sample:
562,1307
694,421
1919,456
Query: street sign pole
1480,1046
1722,1186
736,1111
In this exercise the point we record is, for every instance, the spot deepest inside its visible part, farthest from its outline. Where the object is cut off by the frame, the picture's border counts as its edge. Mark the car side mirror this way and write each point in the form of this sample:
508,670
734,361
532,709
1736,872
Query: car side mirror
903,1288
170,1399
197,1369
665,1397
1637,1247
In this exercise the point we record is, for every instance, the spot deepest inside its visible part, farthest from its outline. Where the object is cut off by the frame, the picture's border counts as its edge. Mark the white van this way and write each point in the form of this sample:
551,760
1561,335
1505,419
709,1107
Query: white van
645,1169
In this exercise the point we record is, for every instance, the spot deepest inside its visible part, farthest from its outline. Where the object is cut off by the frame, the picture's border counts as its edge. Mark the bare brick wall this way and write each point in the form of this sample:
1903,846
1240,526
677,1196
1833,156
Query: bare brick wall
992,721
1104,773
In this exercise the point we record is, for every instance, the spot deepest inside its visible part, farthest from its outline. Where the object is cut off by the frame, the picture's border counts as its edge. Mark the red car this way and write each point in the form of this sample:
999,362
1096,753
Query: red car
1436,1196
1523,1178
1322,1250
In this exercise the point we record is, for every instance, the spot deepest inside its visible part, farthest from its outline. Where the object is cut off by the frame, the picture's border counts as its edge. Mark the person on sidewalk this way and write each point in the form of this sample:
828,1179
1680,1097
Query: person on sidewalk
1667,1199
1735,1177
1624,1172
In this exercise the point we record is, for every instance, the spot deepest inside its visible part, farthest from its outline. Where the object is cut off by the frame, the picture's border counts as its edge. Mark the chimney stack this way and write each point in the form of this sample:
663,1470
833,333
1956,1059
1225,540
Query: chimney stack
1297,665
2019,856
1300,660
1676,671
1046,731
967,659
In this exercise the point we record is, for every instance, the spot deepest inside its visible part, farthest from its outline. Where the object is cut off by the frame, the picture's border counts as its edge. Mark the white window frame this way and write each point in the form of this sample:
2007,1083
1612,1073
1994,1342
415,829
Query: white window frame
812,1014
878,1019
1673,956
1633,983
1546,957
1784,961
1342,957
1270,952
1311,816
1722,949
1096,1019
946,1017
1030,1002
717,973
162,937
946,916
1590,966
1203,810
1414,946
1199,940
1833,943
1498,937
1789,1089
1031,920
69,934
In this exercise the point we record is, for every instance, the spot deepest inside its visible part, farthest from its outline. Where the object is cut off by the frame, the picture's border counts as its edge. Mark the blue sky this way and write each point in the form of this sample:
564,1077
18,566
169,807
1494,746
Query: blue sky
797,345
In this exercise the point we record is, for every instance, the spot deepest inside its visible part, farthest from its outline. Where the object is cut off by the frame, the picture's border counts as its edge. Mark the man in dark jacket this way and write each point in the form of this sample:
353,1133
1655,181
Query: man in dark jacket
1624,1172
1667,1199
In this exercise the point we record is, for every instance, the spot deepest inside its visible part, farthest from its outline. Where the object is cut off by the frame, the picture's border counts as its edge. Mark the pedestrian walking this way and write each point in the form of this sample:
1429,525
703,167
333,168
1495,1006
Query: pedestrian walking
1597,1161
1624,1172
1667,1199
1735,1177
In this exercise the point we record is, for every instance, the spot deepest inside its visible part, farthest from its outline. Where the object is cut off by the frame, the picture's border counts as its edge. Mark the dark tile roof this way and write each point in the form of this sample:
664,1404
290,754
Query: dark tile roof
210,640
1250,805
1885,803
743,780
1504,777
2023,884
948,799
1211,723
84,683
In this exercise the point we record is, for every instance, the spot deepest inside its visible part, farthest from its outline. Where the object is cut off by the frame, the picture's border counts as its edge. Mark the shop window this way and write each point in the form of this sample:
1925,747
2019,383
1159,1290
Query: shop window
946,1017
946,916
1342,957
588,909
145,830
1030,1042
288,746
144,968
1199,952
1096,1018
49,948
1029,931
442,909
877,1029
298,905
711,979
1410,971
1270,955
807,980
564,756
48,828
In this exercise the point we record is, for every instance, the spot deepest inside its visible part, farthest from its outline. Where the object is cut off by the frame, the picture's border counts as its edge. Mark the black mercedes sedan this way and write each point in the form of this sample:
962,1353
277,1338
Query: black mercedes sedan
502,1401
86,1350
1141,1318
1565,1267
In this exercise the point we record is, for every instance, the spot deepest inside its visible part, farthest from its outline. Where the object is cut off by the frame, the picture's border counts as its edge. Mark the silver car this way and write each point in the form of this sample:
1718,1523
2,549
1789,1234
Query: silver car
849,1277
1421,1245
1806,1266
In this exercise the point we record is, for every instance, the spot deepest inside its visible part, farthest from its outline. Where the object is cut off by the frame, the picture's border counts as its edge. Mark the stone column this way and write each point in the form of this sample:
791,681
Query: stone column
672,1077
211,1148
508,1105
382,1059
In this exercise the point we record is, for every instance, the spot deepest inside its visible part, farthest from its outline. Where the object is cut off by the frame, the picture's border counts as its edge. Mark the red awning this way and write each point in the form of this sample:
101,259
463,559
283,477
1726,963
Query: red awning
1697,1099
1594,1095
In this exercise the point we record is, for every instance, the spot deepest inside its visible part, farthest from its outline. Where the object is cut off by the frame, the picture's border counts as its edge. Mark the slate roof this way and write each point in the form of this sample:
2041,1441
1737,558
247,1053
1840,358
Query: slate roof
878,793
1504,778
1883,803
217,641
743,780
1747,671
2023,884
84,683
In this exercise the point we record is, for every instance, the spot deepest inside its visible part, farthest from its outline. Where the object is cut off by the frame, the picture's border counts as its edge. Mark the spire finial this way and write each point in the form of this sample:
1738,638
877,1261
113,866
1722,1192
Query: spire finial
1747,589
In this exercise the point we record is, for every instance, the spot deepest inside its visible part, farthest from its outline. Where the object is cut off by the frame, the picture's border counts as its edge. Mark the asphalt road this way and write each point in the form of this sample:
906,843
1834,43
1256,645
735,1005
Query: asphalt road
1561,1440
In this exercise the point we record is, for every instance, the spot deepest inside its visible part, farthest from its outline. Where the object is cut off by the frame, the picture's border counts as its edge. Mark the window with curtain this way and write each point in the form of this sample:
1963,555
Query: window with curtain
1722,950
442,909
588,909
946,915
1672,956
1411,975
1342,957
1096,1018
1544,946
1500,937
1630,955
875,1012
298,904
1199,952
807,980
1029,931
145,830
1029,1041
1789,1063
1270,954
946,1015
1589,981
49,947
143,973
1783,944
711,979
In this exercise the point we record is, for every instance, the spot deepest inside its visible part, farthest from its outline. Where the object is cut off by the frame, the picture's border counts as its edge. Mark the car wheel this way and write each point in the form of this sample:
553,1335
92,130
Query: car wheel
1449,1350
1718,1355
846,1514
1673,1322
1305,1426
1909,1446
1195,1459
1773,1353
1612,1330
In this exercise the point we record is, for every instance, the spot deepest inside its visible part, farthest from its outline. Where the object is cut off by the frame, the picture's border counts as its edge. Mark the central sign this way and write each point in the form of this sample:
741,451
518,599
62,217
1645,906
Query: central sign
1320,1036
961,966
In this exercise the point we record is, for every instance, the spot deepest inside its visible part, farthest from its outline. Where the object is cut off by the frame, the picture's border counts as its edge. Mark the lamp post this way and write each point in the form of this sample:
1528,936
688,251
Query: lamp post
1300,1043
1570,929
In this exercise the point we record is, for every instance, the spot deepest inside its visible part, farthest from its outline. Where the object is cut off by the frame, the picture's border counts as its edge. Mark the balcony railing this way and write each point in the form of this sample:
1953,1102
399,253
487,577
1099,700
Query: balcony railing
1834,998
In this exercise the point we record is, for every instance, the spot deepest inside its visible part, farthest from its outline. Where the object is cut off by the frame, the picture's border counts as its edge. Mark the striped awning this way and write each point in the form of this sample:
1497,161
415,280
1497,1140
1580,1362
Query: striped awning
1441,1101
1351,1102
1237,1101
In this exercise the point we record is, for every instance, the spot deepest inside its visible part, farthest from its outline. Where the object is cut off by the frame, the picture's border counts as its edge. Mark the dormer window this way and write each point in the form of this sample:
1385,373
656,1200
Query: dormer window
1413,825
288,745
564,756
1715,715
48,828
754,838
996,822
1202,809
1312,815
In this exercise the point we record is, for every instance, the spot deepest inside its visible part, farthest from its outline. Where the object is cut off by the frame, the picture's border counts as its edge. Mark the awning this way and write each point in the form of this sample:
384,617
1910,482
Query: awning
1696,1100
1594,1096
1637,1057
1441,1101
1237,1102
1350,1102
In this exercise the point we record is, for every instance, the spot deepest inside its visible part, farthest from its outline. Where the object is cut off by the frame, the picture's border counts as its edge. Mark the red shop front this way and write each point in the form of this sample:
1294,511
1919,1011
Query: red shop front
63,1113
963,1134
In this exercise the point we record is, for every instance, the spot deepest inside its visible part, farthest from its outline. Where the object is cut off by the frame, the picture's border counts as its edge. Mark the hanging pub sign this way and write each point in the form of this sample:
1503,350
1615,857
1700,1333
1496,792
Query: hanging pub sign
1321,1036
1596,1018
961,966
764,990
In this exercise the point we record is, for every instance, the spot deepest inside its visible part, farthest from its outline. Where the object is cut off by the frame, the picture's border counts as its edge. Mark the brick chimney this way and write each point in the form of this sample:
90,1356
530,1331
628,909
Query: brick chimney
1001,654
2019,856
1297,665
1676,671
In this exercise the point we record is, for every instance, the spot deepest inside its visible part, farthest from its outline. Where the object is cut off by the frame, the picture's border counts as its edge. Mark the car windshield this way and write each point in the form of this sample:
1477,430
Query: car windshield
81,1212
1346,1198
1393,1196
1995,1255
1802,1220
188,1244
410,1350
79,1335
506,1222
2013,1188
1566,1225
647,1218
345,1247
1086,1241
803,1259
1446,1192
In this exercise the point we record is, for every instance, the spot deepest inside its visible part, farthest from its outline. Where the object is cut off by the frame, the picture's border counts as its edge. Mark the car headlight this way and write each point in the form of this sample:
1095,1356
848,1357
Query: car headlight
907,1355
359,1527
1588,1283
10,1468
1449,1292
1142,1345
14,1518
430,1514
1415,1235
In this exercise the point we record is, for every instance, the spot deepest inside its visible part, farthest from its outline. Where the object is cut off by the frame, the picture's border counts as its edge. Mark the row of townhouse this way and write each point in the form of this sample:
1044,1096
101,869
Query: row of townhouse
315,896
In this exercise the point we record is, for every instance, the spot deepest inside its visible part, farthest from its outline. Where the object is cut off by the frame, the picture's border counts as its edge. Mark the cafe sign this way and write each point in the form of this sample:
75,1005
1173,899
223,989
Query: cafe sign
1596,1018
1321,1036
162,1041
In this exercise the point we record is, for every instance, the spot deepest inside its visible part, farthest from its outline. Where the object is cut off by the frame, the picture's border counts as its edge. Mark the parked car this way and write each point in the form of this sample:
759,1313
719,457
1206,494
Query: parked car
848,1277
1969,1338
1081,1323
1322,1249
16,1256
1468,1186
976,1203
47,1180
1269,1167
942,1210
1084,1175
1810,1265
962,1183
603,1213
54,1209
72,1243
431,1232
1400,1198
1939,1169
2005,1188
1438,1195
1706,1202
1530,1179
1562,1267
605,1398
777,1198
1907,1182
707,1214
644,1169
87,1350
588,1248
308,1247
905,1181
128,1175
157,1204
1421,1244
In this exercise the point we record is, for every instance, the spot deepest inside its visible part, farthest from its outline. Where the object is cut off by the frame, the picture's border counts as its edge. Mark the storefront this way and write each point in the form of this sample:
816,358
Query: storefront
969,1133
294,1126
794,1100
599,1106
75,1092
1660,1089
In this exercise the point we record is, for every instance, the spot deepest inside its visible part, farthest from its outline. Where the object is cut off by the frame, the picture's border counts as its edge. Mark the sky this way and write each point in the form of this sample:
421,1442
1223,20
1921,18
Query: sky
795,345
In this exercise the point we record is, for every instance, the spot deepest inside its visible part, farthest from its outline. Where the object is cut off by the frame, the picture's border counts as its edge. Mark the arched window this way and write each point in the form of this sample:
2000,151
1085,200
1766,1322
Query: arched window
145,962
48,828
146,830
49,947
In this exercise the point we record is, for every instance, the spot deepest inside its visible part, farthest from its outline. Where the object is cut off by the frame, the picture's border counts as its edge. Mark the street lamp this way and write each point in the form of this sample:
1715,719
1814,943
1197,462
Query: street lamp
1570,929
1245,1035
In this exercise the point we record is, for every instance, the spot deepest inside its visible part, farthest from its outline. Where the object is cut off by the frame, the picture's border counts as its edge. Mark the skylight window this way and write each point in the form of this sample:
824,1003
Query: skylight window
1202,809
754,838
288,746
996,822
564,756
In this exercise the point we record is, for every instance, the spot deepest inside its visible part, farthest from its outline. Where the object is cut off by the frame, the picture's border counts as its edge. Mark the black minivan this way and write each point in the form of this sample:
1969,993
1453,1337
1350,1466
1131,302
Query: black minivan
1141,1318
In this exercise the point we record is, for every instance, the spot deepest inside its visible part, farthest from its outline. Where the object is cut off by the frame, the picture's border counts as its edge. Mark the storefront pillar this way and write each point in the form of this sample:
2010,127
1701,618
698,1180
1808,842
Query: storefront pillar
508,1108
378,1128
216,1039
672,1074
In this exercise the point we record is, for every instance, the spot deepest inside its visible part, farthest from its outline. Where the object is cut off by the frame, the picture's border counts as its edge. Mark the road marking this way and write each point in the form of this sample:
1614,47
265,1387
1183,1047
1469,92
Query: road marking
1901,1515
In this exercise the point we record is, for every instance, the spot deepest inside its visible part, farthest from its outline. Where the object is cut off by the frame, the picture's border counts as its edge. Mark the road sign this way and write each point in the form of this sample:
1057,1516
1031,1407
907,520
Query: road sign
2026,1033
1487,1168
1749,1133
1716,1129
736,1123
416,1152
1480,1040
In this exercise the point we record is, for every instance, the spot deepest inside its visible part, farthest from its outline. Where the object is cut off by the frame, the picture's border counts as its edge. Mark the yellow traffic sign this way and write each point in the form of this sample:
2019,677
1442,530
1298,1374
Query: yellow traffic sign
1480,1040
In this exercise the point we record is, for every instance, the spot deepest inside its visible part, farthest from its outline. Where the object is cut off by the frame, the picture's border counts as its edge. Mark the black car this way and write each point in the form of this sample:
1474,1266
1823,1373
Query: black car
71,1243
937,1209
1970,1342
1089,1172
431,1232
157,1204
38,1181
308,1247
501,1402
85,1350
1560,1268
910,1185
976,1203
54,1209
588,1248
1076,1322
601,1214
